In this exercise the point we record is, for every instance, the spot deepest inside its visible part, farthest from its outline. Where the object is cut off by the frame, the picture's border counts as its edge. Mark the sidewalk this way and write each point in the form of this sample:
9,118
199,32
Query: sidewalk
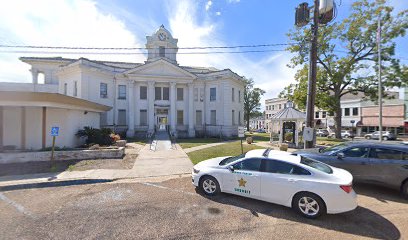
162,162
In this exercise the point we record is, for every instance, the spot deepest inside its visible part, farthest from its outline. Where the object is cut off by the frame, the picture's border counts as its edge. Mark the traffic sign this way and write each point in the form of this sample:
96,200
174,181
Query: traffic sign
308,134
54,131
241,132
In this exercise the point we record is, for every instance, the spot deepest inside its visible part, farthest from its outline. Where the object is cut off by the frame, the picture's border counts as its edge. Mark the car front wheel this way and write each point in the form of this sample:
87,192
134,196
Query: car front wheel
309,205
209,186
385,138
368,137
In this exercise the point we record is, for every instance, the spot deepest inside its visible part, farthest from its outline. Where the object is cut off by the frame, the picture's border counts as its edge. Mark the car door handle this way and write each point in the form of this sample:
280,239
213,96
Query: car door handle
292,180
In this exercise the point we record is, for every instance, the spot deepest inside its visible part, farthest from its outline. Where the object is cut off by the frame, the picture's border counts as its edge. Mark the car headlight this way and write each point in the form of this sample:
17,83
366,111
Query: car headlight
196,170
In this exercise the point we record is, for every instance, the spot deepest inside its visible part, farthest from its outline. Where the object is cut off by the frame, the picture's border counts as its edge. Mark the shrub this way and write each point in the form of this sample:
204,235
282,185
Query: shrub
289,137
95,135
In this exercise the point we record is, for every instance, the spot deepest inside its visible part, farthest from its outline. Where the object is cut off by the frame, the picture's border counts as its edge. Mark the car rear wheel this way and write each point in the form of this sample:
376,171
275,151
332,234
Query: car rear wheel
308,205
368,137
385,138
209,186
404,190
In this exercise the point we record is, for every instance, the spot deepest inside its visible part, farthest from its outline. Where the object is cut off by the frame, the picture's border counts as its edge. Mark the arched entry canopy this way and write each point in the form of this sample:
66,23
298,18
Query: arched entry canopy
287,120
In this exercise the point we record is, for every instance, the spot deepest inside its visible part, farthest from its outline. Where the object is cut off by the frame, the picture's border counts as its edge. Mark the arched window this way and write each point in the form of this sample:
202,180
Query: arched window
41,78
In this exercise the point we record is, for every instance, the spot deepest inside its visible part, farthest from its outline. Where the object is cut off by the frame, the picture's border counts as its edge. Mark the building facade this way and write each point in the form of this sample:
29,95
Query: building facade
158,94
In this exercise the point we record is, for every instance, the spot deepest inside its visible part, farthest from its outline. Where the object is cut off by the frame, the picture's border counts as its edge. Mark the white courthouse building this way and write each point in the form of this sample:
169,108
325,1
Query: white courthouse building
138,98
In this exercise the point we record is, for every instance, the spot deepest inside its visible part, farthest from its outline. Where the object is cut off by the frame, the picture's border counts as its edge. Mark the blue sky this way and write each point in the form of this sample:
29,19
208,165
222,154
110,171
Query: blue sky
125,23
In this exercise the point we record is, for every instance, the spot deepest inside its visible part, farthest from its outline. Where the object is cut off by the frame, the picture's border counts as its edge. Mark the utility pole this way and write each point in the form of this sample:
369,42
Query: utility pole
311,89
379,78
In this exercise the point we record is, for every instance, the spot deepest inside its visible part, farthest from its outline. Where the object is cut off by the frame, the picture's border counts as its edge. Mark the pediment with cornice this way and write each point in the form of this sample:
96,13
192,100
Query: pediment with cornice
160,68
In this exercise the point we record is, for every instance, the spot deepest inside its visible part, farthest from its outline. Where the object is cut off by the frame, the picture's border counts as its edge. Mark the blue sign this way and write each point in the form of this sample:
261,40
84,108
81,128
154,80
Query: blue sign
54,131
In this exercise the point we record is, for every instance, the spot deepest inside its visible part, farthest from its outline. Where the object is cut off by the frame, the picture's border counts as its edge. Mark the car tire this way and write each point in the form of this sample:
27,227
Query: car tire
404,189
368,137
308,205
385,138
209,186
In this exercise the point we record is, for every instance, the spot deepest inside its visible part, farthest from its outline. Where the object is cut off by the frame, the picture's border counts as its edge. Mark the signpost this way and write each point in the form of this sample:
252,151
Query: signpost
241,134
54,133
352,129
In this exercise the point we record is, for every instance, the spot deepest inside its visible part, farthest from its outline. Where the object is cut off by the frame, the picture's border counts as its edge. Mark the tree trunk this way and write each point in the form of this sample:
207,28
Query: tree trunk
337,116
247,121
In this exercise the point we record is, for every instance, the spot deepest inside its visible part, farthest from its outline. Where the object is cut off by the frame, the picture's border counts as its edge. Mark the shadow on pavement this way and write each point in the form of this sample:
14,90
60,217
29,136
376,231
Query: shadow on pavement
360,222
53,184
380,193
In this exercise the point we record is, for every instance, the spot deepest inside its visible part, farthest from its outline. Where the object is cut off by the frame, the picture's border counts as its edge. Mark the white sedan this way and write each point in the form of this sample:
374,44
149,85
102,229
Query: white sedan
308,186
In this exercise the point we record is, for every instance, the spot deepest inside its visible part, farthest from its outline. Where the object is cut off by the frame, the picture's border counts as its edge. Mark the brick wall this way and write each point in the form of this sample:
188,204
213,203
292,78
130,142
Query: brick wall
393,116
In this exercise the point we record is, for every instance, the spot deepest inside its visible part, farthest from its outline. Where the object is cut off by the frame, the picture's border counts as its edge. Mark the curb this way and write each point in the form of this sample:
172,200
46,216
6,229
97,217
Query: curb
58,183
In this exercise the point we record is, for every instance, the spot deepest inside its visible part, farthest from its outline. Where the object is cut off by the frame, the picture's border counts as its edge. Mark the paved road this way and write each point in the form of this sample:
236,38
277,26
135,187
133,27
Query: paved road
173,210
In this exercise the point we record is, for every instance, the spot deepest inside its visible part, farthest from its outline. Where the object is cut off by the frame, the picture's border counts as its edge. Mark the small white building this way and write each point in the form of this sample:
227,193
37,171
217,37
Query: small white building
140,98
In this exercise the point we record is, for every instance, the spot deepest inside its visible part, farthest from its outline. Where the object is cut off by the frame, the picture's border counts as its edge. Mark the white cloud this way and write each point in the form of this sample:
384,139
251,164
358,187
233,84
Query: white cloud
59,23
208,5
269,73
233,1
218,13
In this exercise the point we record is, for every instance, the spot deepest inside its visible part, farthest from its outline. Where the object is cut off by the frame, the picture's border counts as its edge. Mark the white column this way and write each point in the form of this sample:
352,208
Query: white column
131,124
191,131
173,106
34,72
150,97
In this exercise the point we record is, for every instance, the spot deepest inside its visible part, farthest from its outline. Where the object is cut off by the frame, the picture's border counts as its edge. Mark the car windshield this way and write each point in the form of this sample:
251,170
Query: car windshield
334,148
316,165
231,159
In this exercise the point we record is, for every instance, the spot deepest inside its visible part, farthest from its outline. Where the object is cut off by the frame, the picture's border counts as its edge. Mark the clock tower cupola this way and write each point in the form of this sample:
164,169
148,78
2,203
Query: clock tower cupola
161,44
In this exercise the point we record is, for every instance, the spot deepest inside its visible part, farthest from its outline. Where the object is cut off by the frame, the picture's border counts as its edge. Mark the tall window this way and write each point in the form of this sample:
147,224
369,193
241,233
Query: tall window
103,90
166,93
180,117
143,117
317,115
213,94
103,119
213,119
355,111
162,51
239,118
122,117
143,92
273,107
199,118
233,94
157,93
180,96
75,88
65,88
239,95
347,112
324,114
122,92
233,117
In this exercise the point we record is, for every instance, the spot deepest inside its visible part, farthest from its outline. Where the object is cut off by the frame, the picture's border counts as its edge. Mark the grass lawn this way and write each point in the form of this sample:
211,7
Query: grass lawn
227,149
137,141
329,141
193,142
258,137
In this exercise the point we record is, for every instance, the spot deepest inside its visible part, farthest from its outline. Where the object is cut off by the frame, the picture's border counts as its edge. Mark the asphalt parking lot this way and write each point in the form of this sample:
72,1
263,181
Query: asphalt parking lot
173,210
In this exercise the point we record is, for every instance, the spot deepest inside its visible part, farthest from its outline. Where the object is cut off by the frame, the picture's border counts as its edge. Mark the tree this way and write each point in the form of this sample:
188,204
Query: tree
347,57
252,100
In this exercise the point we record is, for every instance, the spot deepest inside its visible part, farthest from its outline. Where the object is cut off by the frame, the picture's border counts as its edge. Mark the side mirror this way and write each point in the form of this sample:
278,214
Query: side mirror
340,156
231,168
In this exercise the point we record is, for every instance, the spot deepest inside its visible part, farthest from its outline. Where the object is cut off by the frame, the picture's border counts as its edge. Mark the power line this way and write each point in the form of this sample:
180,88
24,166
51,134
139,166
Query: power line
143,48
132,53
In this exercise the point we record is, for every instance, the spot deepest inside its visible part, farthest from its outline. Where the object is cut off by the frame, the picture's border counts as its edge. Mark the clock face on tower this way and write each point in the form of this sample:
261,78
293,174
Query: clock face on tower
162,36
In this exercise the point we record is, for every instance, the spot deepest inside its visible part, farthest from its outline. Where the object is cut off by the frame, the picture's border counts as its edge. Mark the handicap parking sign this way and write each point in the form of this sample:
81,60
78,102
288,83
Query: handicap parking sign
54,131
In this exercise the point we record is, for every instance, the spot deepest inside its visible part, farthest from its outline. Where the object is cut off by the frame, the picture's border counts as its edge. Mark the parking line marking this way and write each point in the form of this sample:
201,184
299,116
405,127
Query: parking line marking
16,205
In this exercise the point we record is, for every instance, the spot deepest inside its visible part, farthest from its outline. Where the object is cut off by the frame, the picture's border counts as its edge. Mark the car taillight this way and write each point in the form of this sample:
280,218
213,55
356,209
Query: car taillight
346,188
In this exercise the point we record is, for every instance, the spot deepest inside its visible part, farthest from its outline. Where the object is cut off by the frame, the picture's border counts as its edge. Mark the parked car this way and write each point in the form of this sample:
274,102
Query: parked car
344,134
261,130
378,163
386,135
308,186
322,133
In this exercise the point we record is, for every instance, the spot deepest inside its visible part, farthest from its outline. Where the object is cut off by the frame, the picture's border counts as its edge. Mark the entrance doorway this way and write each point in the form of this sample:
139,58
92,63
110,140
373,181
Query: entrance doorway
162,119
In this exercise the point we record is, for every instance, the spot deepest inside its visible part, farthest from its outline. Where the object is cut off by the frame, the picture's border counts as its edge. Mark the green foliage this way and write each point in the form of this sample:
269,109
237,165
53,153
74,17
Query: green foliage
252,100
96,136
347,57
289,137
